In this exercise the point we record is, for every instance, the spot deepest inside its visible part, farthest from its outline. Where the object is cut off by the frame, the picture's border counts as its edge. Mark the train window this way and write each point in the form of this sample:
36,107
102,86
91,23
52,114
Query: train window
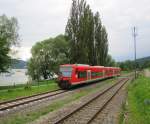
66,73
82,74
94,74
99,73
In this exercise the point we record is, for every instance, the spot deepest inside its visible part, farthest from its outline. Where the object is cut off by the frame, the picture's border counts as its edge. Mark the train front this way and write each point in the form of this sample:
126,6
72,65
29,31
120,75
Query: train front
65,74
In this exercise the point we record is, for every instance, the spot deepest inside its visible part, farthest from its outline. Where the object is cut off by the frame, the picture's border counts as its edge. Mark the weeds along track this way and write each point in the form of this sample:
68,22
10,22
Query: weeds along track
88,111
10,104
29,99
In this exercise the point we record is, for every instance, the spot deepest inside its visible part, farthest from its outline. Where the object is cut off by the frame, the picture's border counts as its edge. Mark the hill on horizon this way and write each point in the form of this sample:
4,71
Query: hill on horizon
142,60
18,64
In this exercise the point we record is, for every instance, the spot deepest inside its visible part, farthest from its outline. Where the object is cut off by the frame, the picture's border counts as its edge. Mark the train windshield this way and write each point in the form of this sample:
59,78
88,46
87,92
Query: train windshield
66,71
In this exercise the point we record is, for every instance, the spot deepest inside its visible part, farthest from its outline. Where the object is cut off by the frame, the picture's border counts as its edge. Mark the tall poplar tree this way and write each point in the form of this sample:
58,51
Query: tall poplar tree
76,30
98,37
72,32
104,46
90,37
87,37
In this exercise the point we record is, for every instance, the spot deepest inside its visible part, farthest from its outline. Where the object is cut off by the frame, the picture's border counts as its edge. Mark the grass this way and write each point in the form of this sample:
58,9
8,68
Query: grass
34,83
121,118
22,119
138,107
125,72
28,117
26,90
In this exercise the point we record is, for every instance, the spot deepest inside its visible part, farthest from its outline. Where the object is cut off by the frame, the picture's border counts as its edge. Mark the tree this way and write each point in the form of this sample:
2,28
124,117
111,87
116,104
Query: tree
60,51
104,48
33,71
47,55
87,37
97,37
110,61
72,32
8,37
127,65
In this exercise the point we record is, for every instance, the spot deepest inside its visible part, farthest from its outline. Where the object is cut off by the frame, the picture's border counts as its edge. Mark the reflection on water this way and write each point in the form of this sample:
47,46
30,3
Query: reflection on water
16,76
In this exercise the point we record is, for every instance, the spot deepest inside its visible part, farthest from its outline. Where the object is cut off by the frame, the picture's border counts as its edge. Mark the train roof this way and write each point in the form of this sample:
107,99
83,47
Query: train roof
75,65
97,66
85,65
66,65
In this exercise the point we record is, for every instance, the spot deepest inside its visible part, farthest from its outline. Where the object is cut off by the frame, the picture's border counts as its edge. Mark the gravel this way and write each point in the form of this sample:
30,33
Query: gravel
54,116
33,107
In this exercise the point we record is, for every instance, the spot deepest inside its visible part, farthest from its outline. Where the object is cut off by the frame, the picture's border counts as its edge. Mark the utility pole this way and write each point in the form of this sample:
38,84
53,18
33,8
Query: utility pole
134,37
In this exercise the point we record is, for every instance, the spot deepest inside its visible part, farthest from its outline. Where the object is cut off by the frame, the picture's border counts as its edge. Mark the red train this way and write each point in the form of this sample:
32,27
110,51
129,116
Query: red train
73,74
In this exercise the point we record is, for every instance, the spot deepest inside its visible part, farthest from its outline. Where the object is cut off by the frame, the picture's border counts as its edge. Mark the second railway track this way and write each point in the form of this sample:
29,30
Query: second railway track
87,112
25,100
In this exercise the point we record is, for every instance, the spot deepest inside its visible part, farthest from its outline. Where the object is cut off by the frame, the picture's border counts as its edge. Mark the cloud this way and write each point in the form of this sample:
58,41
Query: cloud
23,53
119,17
42,19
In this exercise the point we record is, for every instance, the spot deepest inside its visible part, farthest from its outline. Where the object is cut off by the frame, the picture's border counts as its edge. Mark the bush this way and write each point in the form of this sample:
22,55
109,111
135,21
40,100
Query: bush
9,90
27,86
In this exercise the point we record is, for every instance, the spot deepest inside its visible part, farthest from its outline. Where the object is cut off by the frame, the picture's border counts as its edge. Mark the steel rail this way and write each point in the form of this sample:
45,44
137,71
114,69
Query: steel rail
19,102
20,98
106,103
91,100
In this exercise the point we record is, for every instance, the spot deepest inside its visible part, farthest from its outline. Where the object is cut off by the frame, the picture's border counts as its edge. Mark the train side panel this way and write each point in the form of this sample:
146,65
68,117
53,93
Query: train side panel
84,74
79,75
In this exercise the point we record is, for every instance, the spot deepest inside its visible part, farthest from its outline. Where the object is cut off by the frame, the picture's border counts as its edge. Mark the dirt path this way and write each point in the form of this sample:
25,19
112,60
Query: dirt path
147,72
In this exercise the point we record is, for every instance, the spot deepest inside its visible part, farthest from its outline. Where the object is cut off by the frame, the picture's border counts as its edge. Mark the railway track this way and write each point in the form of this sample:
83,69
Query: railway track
29,99
10,104
88,111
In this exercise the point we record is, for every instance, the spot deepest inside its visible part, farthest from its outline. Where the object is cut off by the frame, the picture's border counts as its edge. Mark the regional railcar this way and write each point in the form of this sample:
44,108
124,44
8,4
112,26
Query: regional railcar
73,74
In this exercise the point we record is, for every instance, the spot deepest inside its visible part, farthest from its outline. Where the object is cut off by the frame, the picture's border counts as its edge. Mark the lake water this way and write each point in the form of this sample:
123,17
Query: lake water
17,76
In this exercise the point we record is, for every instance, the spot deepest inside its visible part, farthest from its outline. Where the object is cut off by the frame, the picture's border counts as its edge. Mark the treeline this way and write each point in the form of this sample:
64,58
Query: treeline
87,36
85,41
130,65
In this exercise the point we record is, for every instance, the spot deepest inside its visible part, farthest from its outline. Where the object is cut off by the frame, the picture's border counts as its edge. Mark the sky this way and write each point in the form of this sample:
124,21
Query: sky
42,19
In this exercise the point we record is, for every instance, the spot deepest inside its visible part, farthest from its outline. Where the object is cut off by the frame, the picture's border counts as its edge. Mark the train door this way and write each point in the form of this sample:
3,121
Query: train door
103,73
114,72
88,74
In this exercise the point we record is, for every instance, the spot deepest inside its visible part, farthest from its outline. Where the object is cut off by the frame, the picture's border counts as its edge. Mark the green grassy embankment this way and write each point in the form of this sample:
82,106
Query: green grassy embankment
31,116
138,107
8,93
